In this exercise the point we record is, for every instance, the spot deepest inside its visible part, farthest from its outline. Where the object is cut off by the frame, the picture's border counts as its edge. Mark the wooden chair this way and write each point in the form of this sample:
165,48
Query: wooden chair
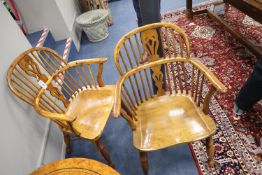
68,93
171,116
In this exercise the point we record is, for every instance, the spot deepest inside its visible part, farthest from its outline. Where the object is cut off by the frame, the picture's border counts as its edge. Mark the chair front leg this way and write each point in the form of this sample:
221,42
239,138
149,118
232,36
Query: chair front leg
103,151
144,162
210,151
67,142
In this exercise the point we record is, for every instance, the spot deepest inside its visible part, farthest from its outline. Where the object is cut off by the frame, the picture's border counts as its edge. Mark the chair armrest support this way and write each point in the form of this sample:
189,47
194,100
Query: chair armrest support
117,103
210,93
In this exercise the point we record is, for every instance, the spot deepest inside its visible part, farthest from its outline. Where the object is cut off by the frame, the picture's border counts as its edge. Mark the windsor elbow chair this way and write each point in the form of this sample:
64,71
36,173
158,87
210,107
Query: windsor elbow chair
168,116
67,93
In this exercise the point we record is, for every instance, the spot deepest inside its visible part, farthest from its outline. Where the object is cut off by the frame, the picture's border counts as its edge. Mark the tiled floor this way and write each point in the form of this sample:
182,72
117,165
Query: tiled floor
117,136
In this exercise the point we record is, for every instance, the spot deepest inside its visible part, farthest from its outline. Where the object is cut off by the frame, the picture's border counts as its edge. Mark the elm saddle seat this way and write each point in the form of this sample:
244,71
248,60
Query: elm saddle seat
97,105
181,121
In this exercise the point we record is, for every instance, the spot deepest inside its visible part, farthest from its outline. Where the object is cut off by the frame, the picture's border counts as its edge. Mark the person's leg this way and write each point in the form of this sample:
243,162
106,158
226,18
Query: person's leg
251,92
138,14
150,13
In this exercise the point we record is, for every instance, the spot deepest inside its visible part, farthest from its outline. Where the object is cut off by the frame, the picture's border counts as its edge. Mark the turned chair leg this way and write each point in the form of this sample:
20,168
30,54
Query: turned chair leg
67,142
144,162
104,152
210,151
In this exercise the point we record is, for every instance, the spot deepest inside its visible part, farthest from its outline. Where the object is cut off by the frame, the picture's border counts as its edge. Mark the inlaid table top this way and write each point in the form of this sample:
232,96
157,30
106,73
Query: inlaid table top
75,166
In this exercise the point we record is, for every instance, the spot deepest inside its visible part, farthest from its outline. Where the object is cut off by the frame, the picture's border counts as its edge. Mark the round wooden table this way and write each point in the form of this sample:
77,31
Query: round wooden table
75,166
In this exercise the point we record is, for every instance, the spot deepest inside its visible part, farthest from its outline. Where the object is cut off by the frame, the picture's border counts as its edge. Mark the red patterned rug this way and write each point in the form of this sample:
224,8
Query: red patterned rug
237,139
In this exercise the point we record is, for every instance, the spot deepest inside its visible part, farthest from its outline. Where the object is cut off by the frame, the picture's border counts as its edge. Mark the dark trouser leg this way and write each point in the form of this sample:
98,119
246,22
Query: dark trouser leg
251,92
150,13
138,14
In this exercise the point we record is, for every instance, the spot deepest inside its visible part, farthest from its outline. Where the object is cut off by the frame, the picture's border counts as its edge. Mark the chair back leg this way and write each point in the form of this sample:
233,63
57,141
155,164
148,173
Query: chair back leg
67,142
103,151
144,162
210,151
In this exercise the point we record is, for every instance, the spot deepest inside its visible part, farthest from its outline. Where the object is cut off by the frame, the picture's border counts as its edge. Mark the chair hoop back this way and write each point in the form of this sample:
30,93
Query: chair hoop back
30,70
150,43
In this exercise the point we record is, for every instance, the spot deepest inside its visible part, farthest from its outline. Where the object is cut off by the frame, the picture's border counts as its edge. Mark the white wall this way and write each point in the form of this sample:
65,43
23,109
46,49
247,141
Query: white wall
21,130
69,9
57,15
38,14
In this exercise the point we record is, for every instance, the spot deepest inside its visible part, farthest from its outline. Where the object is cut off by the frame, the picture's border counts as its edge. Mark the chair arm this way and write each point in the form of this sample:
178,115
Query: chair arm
86,61
209,75
50,115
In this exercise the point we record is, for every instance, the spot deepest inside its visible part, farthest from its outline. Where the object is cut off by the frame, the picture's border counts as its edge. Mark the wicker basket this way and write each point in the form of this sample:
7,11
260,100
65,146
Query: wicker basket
94,24
87,5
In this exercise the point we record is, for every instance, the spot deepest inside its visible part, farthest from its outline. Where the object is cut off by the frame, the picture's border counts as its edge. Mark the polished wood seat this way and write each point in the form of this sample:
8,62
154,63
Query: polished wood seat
181,121
97,105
